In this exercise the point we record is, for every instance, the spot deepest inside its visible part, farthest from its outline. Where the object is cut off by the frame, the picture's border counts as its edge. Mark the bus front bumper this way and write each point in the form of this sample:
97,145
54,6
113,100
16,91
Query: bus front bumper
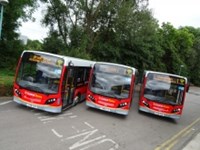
148,110
113,110
47,108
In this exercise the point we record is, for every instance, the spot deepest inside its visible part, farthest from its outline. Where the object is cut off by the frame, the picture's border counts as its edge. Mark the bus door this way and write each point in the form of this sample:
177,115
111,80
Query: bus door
69,87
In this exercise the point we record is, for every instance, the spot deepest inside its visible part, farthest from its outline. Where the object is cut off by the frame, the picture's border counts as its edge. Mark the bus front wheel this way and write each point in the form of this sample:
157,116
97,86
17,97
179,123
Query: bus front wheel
77,99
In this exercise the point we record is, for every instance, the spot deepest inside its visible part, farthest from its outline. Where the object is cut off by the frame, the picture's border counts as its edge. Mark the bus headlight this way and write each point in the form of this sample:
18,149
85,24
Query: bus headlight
145,103
18,92
91,98
50,101
123,104
176,110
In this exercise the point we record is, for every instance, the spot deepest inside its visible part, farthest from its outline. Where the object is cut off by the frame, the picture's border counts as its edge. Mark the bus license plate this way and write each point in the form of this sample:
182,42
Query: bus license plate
29,105
106,109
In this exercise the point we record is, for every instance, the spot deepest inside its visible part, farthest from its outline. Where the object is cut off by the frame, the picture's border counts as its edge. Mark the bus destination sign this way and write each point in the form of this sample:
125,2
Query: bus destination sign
169,79
115,70
46,60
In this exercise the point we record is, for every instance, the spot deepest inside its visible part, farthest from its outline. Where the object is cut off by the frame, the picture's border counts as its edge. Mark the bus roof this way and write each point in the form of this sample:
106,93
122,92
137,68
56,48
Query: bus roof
120,65
68,60
164,73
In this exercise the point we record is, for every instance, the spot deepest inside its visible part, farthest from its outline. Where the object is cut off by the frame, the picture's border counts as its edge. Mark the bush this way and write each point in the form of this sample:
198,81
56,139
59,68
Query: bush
6,82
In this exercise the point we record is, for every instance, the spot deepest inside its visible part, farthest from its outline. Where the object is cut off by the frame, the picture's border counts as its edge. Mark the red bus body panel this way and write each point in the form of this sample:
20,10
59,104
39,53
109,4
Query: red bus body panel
160,109
110,104
107,103
39,100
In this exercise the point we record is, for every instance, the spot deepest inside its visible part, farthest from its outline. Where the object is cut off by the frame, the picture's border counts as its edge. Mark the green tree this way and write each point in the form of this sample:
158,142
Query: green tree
193,60
33,45
184,44
171,57
10,47
141,42
53,43
103,29
121,31
177,45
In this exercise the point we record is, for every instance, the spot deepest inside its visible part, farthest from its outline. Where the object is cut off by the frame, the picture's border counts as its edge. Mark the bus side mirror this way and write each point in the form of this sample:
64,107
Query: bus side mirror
187,87
3,2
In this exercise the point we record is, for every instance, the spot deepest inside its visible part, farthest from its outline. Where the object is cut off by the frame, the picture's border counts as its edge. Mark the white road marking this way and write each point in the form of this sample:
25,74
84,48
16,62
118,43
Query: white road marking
37,114
46,122
116,146
3,103
51,118
88,140
56,133
78,135
89,125
73,116
81,143
83,130
47,119
41,117
75,129
67,114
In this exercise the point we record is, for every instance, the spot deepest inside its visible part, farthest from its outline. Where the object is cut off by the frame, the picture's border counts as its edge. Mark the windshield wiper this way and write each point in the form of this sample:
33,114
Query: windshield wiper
37,89
159,99
114,95
33,88
107,93
166,101
150,97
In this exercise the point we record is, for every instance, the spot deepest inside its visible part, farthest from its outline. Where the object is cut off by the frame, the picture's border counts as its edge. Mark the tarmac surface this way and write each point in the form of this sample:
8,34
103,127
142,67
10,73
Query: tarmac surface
193,144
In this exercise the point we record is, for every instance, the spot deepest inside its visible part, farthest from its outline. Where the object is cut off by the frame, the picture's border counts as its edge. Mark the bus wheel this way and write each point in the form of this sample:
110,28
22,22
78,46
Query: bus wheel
77,99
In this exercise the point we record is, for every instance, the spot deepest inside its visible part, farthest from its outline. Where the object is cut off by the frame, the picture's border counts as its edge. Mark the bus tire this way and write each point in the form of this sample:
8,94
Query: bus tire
77,99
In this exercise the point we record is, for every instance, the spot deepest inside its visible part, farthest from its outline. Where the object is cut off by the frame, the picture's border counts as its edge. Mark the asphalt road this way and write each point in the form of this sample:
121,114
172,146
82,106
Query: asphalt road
83,128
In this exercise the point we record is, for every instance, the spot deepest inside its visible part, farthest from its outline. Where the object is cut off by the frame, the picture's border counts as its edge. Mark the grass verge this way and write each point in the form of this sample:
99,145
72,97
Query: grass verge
6,82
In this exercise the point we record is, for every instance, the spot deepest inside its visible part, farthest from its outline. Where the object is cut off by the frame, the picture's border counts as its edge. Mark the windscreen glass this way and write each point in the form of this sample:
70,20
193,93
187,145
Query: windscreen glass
40,72
111,80
164,88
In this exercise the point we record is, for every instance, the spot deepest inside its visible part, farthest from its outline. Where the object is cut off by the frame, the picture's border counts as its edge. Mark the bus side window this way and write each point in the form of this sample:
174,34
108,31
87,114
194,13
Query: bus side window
70,78
79,76
187,87
86,74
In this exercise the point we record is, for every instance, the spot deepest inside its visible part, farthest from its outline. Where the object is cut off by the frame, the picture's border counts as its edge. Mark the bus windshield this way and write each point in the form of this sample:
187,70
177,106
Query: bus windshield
164,88
40,73
111,81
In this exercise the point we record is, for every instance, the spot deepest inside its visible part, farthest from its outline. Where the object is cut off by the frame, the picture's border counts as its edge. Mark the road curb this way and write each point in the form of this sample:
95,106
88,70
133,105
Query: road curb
193,144
6,98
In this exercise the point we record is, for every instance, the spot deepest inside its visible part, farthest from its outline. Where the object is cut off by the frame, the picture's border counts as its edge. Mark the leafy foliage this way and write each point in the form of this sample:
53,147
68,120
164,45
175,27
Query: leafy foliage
10,46
119,31
193,59
33,45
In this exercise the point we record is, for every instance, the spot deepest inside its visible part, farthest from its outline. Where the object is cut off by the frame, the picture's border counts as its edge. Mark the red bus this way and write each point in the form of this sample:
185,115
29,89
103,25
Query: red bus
111,87
163,94
50,82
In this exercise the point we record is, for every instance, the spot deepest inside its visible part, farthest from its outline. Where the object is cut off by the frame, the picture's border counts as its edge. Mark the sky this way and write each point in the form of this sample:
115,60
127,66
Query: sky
177,12
34,30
